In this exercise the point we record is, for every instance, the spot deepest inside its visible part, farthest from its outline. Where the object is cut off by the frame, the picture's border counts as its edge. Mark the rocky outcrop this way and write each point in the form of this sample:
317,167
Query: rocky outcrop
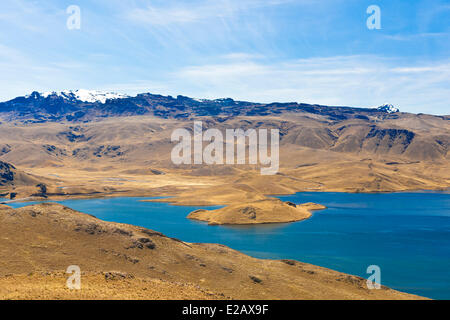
11,178
7,173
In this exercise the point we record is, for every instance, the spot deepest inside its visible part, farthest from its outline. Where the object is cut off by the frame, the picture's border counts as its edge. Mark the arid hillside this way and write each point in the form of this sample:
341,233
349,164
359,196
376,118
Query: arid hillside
57,147
39,242
131,155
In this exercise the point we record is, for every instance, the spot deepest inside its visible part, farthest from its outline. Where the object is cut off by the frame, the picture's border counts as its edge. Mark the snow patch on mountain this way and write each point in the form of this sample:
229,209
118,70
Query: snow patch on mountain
389,108
86,95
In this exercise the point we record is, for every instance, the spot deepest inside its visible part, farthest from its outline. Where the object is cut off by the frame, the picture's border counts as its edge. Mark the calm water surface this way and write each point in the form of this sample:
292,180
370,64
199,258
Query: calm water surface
406,234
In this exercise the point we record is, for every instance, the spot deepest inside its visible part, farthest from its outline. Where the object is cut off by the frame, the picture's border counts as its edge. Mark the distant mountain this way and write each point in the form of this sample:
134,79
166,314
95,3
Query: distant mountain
85,105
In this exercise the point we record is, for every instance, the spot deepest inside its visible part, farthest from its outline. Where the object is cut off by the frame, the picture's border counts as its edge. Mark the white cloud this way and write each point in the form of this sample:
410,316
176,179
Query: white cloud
360,81
207,49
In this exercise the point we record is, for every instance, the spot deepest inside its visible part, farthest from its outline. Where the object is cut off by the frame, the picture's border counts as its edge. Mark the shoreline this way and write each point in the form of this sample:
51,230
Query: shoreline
160,198
332,283
439,196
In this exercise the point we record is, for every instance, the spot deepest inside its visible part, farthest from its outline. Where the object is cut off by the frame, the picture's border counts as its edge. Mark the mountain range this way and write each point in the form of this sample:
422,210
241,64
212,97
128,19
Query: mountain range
382,131
85,105
89,142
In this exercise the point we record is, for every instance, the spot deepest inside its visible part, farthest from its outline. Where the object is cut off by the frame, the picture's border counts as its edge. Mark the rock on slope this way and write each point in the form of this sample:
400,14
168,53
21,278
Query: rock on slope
7,172
40,240
10,176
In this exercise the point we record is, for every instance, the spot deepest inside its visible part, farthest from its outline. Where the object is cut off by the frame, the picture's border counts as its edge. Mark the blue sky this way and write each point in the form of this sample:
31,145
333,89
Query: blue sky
273,50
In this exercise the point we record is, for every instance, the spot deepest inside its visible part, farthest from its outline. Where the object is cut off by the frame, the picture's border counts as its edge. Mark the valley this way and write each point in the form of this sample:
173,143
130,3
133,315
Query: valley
58,148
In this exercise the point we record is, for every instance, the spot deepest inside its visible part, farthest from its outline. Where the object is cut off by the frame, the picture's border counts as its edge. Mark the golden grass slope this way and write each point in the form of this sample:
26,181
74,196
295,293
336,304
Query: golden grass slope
45,239
131,156
98,286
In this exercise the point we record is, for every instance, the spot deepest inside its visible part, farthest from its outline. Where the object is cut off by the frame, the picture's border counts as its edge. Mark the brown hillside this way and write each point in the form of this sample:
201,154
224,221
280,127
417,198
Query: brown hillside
41,241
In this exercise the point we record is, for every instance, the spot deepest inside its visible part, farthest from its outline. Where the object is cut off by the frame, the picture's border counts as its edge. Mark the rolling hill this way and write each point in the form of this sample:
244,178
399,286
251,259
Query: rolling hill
96,143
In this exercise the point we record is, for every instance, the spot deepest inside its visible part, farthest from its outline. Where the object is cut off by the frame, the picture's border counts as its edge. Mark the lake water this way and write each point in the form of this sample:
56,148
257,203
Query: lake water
406,234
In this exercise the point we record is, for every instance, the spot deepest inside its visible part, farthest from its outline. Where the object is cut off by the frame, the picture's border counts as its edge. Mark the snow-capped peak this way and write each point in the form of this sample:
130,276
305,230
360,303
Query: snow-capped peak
389,108
86,95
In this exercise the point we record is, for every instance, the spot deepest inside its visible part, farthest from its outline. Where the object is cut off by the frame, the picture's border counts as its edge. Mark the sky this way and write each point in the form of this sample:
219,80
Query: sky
311,51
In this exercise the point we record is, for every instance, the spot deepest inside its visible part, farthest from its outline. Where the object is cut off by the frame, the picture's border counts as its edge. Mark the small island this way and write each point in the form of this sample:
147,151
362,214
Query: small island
257,212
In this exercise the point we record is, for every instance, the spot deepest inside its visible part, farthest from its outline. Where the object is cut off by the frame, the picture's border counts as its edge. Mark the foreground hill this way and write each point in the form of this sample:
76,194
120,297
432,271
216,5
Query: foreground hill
39,242
98,286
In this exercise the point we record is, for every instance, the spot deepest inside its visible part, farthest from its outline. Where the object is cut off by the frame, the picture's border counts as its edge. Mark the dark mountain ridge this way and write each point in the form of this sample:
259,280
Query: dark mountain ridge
63,107
382,131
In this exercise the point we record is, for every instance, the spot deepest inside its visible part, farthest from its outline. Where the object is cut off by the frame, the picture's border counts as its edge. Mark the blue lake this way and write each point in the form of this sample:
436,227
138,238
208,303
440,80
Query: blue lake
406,234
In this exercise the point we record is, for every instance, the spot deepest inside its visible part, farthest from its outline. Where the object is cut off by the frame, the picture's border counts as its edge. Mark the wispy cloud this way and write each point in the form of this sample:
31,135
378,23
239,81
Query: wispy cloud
195,11
163,16
242,56
418,36
363,81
